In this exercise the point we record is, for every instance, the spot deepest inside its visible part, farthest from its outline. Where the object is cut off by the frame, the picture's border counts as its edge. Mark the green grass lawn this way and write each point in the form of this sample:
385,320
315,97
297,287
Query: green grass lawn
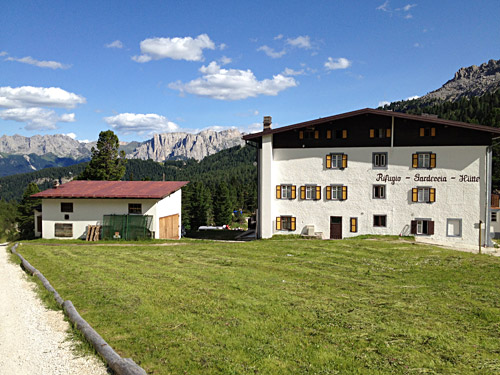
360,306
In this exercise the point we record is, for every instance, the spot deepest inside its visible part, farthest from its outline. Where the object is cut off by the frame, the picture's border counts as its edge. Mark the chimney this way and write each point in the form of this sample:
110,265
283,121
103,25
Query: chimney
267,122
55,184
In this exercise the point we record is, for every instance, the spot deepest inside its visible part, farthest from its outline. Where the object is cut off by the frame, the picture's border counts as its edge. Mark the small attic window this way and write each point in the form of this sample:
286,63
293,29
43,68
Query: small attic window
66,207
135,208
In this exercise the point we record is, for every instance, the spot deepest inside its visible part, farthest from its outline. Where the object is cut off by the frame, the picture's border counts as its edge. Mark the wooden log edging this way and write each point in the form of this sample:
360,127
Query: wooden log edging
121,366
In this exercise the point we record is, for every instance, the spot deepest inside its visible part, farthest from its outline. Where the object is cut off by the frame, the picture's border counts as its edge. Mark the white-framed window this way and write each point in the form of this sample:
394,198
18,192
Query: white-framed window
336,192
310,192
454,227
336,161
286,191
493,216
422,227
379,220
424,160
379,191
423,195
379,159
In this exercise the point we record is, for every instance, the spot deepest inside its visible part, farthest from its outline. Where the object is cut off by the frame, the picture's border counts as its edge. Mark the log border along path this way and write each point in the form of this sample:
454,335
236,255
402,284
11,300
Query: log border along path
34,339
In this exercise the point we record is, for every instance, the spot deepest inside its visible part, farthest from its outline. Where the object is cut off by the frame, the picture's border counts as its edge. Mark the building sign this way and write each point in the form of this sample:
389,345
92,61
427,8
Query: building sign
425,178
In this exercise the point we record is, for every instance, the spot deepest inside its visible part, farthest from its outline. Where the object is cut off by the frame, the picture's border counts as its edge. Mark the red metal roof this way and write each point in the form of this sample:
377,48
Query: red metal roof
378,112
113,189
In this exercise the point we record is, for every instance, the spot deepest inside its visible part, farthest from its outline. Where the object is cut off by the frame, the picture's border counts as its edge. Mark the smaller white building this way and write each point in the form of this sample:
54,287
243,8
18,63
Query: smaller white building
69,209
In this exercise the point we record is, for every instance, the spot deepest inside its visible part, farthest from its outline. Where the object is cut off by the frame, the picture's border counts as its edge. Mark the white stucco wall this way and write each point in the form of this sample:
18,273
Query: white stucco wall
91,211
266,180
170,205
455,197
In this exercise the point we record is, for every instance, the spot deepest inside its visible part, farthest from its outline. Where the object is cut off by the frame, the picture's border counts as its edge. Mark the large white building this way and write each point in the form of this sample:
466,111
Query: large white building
376,172
69,209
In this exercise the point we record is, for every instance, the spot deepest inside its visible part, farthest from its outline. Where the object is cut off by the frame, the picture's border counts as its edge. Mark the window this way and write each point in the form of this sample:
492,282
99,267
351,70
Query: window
135,208
424,160
379,191
66,207
310,192
454,227
309,134
422,227
423,195
338,133
63,230
336,161
493,216
379,159
353,224
285,223
380,133
336,192
427,132
379,220
285,191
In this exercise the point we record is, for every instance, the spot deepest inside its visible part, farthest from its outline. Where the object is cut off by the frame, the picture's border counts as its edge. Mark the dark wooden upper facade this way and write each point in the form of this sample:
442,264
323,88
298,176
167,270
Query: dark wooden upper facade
373,128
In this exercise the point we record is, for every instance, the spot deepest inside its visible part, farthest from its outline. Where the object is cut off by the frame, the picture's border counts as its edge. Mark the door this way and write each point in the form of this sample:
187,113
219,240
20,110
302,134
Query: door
39,224
169,227
336,227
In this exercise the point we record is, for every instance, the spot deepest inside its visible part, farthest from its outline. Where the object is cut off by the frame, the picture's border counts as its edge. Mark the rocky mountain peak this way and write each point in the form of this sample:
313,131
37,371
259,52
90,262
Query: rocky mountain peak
471,81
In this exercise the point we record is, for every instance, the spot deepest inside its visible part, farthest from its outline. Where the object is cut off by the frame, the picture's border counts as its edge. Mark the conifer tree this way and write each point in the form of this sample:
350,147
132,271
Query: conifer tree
25,217
223,212
107,162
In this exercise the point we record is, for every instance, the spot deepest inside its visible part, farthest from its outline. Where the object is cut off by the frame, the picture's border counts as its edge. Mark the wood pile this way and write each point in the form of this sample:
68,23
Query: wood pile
93,232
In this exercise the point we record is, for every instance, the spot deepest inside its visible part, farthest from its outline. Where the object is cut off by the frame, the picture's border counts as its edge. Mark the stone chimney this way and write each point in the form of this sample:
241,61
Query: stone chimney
267,122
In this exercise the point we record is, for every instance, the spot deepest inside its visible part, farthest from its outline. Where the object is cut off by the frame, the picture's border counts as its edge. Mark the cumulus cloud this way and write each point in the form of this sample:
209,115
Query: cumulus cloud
41,64
116,44
71,135
174,48
413,97
141,123
224,60
36,118
271,52
340,63
383,103
232,84
291,72
29,96
300,42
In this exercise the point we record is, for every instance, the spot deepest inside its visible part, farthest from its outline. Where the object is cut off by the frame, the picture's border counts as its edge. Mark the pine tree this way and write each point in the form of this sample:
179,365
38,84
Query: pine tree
223,213
106,163
25,218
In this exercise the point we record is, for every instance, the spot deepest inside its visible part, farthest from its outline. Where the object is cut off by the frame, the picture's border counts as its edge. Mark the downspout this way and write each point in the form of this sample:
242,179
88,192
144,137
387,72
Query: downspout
392,132
487,222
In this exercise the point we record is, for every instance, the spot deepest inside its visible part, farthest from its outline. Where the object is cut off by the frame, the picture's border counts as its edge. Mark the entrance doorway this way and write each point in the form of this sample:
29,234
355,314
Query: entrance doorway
336,227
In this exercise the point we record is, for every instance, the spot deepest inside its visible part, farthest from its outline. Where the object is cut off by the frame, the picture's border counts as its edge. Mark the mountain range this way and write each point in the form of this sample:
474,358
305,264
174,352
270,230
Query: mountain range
20,154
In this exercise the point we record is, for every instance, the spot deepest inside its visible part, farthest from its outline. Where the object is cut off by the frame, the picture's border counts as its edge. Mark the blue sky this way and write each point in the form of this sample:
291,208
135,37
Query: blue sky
144,67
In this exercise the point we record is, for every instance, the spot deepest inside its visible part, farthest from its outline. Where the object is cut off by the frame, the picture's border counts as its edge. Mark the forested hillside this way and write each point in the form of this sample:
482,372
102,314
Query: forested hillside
484,110
221,182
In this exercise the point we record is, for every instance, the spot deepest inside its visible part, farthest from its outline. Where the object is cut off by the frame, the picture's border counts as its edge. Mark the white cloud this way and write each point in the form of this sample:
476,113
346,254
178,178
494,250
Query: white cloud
255,127
3,53
174,48
417,45
271,52
340,63
232,84
384,7
407,7
383,103
222,46
116,44
224,60
141,123
408,16
71,135
36,118
413,97
41,64
300,42
291,72
278,37
29,96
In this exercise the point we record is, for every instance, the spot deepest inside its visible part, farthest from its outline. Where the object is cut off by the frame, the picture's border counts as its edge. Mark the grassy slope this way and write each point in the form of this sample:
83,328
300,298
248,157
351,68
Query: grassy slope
286,307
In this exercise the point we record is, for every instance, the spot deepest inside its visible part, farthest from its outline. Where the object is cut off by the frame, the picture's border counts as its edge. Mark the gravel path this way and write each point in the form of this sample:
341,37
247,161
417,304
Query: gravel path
33,340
